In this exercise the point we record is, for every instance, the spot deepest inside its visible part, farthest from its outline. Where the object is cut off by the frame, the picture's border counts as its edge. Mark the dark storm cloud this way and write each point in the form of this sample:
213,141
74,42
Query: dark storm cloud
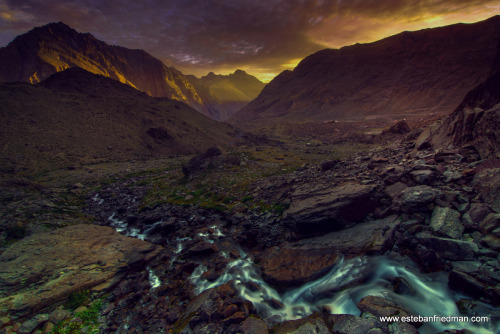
263,36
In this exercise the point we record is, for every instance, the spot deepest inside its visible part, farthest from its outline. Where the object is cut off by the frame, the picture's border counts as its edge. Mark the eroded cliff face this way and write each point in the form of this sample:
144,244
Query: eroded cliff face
475,123
36,55
407,75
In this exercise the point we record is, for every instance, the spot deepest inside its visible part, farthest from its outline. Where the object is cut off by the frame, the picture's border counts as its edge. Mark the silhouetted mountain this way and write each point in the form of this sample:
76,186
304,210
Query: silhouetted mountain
43,51
76,117
407,75
224,95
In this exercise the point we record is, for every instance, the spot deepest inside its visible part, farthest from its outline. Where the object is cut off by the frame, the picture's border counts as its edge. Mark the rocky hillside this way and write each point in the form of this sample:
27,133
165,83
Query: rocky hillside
340,244
223,95
36,55
475,123
407,75
76,117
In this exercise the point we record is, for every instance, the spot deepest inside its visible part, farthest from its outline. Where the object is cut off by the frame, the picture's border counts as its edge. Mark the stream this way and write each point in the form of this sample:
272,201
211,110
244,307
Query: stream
429,294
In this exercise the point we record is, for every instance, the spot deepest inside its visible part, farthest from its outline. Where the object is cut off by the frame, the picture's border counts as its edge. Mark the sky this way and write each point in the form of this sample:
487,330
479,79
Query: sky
262,37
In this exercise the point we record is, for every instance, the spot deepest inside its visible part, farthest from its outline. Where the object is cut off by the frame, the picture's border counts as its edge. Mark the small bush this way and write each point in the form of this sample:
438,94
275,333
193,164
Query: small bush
16,232
77,299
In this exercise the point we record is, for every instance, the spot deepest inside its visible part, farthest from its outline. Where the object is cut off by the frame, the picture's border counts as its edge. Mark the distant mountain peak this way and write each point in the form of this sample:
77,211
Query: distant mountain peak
226,94
34,56
240,72
57,28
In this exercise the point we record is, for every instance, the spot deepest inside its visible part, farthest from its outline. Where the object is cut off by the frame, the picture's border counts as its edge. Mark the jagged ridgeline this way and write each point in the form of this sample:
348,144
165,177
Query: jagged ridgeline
408,75
34,56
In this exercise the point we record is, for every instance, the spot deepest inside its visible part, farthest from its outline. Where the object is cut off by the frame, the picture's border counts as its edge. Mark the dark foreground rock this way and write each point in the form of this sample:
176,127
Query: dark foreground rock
44,269
295,264
318,208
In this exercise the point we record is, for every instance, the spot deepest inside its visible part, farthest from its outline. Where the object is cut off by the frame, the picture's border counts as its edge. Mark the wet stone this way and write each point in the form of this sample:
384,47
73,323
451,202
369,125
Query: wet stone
253,326
395,190
345,323
466,266
491,222
35,322
446,222
402,287
311,324
423,176
380,307
58,315
414,197
448,249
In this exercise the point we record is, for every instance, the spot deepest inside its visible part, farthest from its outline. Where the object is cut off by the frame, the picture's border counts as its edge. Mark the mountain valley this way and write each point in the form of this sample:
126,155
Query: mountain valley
364,184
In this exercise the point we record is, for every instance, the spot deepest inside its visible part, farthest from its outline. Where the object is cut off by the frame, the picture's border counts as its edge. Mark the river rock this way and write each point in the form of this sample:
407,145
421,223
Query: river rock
395,190
413,198
466,266
253,326
393,174
490,228
473,286
44,269
490,223
476,214
446,222
401,286
317,209
381,307
350,324
487,184
448,249
311,324
205,313
423,176
492,240
296,263
291,267
34,323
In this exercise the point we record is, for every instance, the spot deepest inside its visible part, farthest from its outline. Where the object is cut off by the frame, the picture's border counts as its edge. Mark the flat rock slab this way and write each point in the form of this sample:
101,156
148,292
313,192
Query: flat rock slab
297,263
317,209
43,269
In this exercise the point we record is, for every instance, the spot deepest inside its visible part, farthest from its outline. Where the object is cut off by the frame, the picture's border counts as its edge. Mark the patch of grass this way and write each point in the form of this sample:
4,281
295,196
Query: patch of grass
279,208
89,319
246,199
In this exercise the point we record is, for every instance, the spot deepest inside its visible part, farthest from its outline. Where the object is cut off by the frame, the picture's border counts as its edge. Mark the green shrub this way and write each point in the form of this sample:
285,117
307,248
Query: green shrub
77,299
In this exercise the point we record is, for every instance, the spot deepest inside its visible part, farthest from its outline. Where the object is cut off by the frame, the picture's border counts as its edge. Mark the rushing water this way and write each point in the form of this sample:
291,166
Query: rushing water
333,291
432,296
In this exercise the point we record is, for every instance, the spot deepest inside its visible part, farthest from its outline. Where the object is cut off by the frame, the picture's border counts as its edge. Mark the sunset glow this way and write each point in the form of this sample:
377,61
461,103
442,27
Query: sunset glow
261,37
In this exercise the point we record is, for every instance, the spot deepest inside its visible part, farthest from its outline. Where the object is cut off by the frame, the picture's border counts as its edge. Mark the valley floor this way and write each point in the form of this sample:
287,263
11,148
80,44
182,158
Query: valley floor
324,234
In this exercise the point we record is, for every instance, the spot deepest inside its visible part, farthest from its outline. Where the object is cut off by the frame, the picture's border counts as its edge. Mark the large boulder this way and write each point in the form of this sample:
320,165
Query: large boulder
399,127
448,249
211,158
294,264
317,209
417,198
44,269
289,267
446,222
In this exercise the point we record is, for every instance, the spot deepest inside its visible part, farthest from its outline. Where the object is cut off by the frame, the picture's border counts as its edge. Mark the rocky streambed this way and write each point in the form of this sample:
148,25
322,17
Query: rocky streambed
392,232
